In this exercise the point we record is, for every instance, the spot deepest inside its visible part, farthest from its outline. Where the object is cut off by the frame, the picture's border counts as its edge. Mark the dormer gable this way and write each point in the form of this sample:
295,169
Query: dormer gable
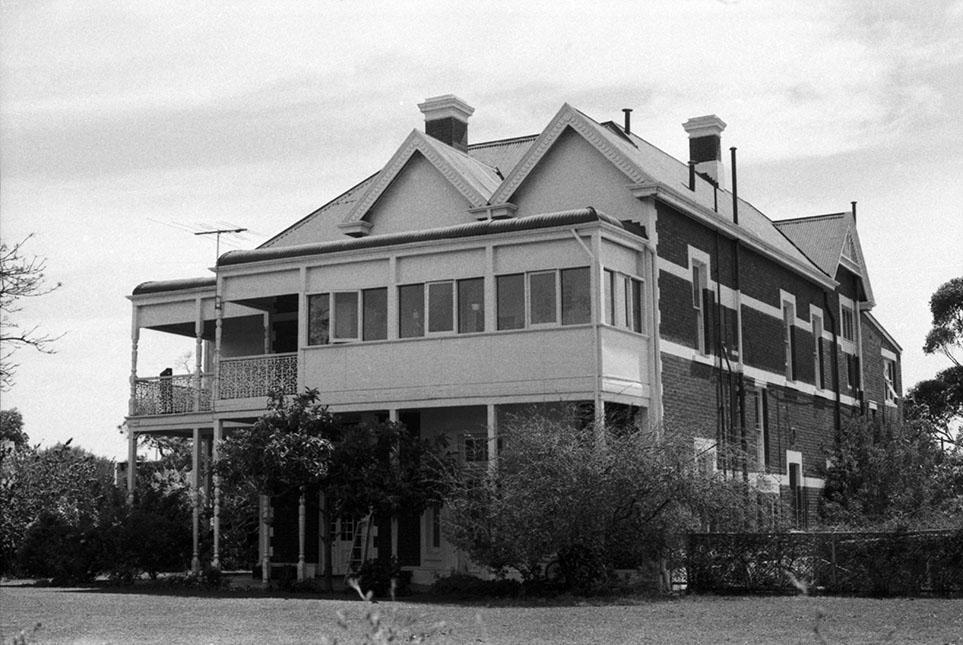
472,180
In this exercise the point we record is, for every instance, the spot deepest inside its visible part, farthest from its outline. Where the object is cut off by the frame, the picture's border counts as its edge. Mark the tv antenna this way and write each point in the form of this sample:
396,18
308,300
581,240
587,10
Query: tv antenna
218,232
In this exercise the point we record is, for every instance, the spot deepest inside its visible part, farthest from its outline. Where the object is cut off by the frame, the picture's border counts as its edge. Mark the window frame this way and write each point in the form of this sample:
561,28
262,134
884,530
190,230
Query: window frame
556,313
453,303
698,277
819,378
789,338
844,309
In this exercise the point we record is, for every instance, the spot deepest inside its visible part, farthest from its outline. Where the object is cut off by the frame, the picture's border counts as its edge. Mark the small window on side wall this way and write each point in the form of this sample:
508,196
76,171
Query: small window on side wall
576,299
471,305
698,304
319,319
511,301
411,310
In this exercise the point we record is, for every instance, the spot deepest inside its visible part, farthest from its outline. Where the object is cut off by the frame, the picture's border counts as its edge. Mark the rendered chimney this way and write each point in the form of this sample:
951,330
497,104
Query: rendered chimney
446,119
705,145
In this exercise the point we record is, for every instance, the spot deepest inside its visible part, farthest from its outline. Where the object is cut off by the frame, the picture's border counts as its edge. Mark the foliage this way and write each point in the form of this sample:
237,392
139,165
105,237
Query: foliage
892,475
21,276
940,400
464,586
11,429
559,491
286,449
383,576
67,483
946,305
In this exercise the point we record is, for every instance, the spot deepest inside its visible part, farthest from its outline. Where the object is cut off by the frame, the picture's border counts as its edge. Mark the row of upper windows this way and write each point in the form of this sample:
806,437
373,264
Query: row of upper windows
535,299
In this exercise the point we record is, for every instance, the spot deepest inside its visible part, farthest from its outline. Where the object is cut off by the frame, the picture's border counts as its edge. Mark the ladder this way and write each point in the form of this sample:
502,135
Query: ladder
359,545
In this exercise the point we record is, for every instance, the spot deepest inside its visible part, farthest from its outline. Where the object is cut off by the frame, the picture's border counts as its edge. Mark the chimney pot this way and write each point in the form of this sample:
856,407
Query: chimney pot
705,145
446,119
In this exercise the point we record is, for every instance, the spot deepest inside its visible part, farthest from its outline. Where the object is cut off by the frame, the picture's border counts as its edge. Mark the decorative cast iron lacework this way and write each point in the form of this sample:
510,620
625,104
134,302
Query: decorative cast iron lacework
254,377
171,395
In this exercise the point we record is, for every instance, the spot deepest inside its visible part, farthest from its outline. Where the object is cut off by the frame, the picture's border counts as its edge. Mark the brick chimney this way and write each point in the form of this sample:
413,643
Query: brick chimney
705,145
446,119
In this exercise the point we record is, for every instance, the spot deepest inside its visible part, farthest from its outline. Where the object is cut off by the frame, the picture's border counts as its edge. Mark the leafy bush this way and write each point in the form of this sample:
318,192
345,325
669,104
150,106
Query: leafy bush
590,499
381,577
463,585
55,548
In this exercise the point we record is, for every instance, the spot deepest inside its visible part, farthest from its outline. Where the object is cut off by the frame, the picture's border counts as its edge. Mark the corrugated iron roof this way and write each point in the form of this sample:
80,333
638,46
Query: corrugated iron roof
484,227
163,286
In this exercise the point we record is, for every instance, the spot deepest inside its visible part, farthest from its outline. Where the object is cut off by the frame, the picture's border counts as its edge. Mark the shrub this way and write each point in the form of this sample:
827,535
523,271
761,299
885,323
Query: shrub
463,585
55,548
379,575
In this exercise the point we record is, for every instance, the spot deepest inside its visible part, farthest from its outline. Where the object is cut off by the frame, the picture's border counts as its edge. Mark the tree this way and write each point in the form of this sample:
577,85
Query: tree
71,486
21,276
896,475
11,429
559,492
940,399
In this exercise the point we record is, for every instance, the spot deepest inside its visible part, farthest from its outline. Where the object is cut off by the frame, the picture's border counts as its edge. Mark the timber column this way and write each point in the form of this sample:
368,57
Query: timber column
215,558
195,501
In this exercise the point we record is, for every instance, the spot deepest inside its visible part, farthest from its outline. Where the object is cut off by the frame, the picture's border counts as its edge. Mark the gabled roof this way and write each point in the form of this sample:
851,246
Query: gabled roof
499,156
648,166
829,241
474,180
882,330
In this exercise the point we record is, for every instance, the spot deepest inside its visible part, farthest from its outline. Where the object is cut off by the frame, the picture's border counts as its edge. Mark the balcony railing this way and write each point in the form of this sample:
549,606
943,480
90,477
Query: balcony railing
177,394
254,376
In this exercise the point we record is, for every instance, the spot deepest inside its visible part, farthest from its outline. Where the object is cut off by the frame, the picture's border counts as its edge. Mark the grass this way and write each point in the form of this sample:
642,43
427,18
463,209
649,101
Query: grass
103,615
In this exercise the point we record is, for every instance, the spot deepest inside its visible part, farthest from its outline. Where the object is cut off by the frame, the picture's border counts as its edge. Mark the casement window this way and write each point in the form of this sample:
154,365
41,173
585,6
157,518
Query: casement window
847,322
698,303
441,306
543,298
889,380
432,307
475,447
819,379
374,314
511,301
319,319
471,305
576,299
337,317
789,338
633,303
411,310
609,295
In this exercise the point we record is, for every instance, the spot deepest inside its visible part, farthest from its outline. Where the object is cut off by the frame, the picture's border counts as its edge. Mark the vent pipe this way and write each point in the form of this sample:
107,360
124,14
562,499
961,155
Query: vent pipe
628,120
735,189
853,204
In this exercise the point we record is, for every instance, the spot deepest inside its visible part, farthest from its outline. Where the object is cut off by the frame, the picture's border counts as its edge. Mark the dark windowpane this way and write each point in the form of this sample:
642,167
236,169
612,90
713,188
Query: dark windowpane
576,297
441,312
375,305
633,304
411,310
609,297
319,319
541,293
471,305
511,301
346,315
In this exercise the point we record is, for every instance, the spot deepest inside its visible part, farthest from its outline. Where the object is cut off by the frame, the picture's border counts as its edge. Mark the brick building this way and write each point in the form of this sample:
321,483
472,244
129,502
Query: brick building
582,265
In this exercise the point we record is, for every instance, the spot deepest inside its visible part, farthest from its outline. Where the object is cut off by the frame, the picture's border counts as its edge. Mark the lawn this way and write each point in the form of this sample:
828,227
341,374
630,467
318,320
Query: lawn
129,616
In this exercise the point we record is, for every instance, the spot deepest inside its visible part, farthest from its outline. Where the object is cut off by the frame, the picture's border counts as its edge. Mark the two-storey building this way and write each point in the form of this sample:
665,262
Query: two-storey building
465,282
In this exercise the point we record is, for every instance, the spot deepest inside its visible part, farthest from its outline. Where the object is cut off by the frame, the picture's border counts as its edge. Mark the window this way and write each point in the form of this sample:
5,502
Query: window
576,302
818,377
411,310
609,287
471,305
374,314
319,319
847,322
511,301
476,447
698,303
441,306
542,307
347,528
633,304
762,430
345,316
435,526
889,380
705,455
789,338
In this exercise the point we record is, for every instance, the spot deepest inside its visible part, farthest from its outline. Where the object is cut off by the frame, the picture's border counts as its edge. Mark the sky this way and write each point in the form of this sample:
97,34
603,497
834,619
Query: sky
125,127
